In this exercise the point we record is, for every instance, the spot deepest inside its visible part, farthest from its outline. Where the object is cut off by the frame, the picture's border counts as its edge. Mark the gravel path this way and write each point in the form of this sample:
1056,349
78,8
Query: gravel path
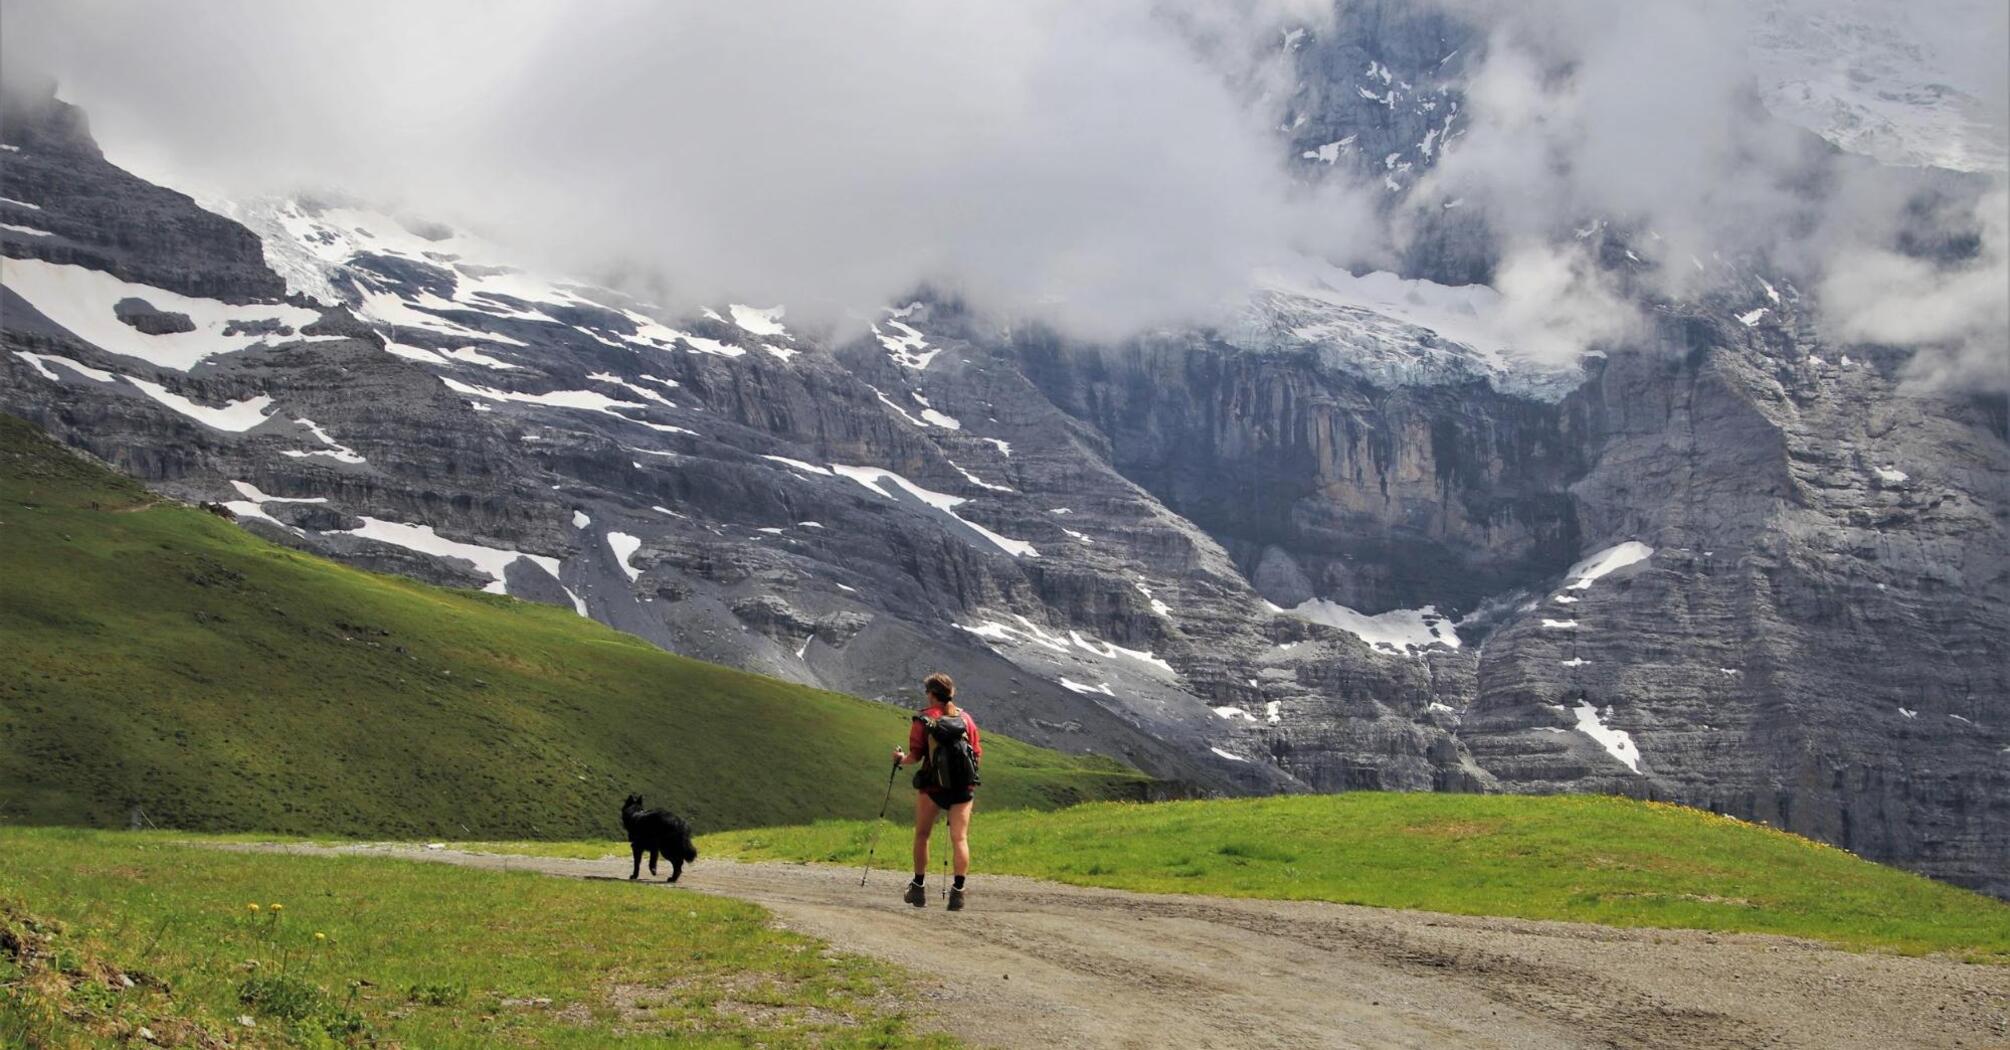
1041,965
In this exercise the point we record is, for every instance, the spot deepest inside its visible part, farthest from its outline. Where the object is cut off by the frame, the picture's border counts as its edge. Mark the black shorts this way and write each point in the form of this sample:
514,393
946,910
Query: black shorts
945,799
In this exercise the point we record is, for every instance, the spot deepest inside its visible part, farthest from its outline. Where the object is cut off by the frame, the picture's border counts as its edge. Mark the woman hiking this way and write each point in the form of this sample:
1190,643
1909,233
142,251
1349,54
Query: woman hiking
943,738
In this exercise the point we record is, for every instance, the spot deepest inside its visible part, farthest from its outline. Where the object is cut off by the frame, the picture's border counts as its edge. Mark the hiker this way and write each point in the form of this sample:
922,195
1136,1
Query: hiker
943,738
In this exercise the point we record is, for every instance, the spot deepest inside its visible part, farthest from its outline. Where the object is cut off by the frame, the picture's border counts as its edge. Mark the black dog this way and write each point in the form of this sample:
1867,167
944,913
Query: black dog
657,831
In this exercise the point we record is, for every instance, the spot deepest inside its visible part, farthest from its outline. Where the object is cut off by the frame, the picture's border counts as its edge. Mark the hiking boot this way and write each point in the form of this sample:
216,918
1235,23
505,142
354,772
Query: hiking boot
916,896
956,898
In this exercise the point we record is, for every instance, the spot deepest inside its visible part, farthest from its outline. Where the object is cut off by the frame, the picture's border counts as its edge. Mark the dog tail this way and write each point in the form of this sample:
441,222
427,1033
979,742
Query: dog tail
690,852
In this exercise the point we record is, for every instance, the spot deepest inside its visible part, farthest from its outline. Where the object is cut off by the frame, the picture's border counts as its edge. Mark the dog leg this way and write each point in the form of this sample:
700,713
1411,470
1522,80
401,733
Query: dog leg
637,873
652,863
676,869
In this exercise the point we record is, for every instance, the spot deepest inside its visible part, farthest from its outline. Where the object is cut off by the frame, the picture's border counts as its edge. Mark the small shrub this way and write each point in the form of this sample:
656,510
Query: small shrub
438,994
287,998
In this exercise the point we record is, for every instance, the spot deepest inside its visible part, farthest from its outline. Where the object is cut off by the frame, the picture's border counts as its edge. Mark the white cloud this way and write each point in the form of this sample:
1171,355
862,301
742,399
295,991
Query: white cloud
1080,162
1959,312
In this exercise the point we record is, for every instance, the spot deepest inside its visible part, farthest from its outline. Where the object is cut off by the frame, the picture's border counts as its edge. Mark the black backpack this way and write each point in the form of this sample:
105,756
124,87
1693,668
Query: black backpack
948,763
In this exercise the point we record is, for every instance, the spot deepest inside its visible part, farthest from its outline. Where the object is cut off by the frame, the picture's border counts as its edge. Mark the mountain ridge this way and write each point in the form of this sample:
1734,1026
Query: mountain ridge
1102,540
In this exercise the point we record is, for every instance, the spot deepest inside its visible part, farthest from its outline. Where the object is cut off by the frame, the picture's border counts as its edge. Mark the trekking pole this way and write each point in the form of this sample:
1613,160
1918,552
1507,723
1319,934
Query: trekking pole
880,823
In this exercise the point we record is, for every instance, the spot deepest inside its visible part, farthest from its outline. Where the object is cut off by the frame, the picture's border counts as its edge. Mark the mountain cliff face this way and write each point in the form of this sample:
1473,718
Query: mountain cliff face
1334,545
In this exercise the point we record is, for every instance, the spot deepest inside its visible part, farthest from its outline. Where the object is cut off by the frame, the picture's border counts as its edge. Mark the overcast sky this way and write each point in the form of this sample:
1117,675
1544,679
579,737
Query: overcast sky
1085,163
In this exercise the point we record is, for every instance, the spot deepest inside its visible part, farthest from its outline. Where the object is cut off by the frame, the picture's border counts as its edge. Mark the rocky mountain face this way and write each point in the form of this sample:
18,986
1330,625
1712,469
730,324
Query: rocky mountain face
1341,543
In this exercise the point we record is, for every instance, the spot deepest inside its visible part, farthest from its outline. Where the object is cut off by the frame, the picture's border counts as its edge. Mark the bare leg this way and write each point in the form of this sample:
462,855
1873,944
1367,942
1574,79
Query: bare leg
925,812
959,836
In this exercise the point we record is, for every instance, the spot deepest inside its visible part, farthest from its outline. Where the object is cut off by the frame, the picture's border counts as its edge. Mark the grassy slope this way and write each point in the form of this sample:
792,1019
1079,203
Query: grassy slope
448,957
159,655
1580,858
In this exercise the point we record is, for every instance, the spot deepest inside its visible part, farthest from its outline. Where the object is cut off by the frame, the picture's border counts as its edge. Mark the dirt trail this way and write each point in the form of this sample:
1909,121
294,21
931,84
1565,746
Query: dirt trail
1040,965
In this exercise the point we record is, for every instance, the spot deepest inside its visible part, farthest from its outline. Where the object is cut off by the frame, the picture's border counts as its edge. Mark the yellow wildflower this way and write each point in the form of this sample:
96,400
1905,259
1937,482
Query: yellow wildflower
279,907
253,906
319,936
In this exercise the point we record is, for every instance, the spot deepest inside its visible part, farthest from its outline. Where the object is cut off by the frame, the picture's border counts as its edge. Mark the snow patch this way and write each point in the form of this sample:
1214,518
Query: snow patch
624,547
939,419
1605,562
580,520
698,344
874,478
1158,606
1078,687
41,363
1330,152
758,321
907,347
1230,755
235,416
1891,475
491,560
1908,712
1395,631
334,451
1029,633
897,410
20,204
1231,713
797,464
977,481
475,357
82,300
637,389
1617,742
578,400
1110,651
251,492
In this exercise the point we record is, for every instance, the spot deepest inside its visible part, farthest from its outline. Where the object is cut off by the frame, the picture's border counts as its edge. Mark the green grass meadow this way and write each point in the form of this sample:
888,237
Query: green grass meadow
160,656
1580,858
105,933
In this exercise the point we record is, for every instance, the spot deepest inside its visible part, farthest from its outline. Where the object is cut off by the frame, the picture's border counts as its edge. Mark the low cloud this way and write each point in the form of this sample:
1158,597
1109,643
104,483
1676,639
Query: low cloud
1104,167
1081,163
1648,121
1555,303
1958,313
